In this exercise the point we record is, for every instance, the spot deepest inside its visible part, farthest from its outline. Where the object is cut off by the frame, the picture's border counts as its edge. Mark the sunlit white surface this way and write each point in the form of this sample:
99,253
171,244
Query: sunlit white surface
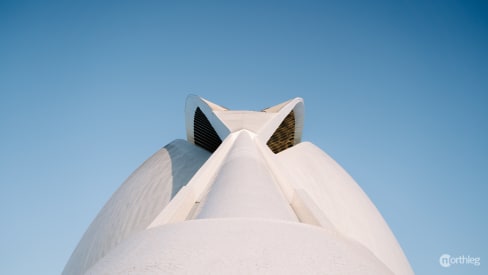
241,209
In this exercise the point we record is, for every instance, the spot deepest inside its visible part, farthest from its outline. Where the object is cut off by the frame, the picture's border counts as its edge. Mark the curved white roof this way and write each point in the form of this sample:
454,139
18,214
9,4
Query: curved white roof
239,246
243,195
137,202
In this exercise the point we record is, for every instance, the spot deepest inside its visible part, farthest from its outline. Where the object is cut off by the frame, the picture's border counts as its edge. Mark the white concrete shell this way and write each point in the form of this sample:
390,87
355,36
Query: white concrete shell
256,200
137,202
239,246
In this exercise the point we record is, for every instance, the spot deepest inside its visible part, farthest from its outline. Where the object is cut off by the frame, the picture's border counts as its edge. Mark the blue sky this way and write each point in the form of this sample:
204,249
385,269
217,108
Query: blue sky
395,91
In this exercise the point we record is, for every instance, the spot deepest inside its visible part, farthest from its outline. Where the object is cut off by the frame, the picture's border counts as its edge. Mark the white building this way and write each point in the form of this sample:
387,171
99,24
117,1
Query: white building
243,195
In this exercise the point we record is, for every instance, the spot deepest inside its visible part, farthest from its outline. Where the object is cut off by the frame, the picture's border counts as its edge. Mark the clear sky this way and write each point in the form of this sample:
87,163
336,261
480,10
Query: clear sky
395,91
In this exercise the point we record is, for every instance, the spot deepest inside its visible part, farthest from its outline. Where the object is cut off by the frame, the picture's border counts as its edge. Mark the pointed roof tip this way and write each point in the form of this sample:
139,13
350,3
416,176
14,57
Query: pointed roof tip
278,107
216,107
213,106
285,119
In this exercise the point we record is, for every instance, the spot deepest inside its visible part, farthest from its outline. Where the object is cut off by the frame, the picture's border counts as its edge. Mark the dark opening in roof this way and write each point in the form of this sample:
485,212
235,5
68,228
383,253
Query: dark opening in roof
284,136
204,133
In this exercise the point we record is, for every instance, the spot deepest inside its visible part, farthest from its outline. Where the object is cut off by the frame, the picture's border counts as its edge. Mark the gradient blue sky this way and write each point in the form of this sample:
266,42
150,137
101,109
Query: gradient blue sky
395,91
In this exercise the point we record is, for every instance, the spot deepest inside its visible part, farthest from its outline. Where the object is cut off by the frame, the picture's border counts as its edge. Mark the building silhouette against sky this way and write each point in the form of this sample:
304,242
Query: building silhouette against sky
243,194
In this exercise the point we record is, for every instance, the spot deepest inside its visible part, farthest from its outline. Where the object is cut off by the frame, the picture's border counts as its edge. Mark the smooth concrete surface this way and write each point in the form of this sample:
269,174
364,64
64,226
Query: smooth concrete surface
343,202
244,187
241,209
137,202
239,246
249,120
